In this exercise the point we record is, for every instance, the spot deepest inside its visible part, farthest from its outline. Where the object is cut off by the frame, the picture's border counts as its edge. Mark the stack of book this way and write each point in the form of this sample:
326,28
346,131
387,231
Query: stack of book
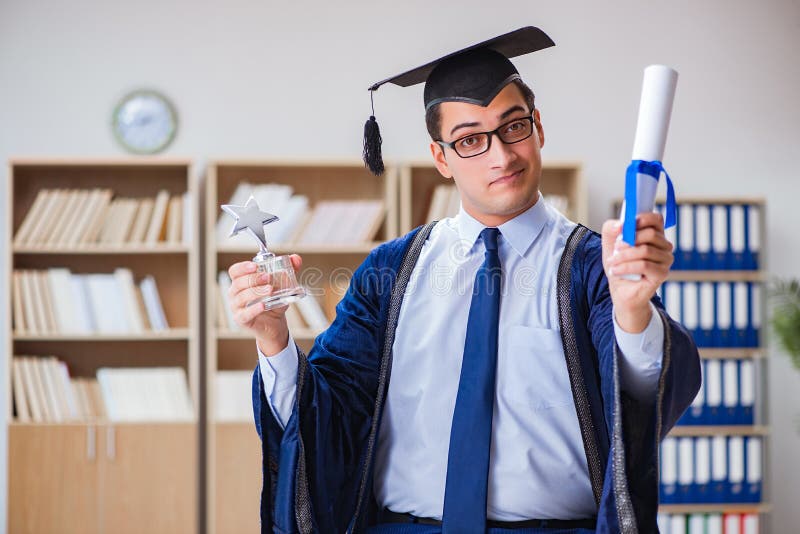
717,314
718,469
56,301
145,394
45,393
727,395
77,218
339,222
304,314
730,523
716,236
233,398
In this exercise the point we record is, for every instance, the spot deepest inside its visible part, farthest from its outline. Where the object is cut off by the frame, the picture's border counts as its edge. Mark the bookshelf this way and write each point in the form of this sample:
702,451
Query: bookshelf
101,474
234,454
418,181
719,231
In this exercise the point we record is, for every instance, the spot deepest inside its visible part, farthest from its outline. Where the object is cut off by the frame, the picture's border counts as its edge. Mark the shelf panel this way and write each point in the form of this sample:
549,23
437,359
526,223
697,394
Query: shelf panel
732,353
760,508
172,335
728,430
717,276
288,248
106,422
104,249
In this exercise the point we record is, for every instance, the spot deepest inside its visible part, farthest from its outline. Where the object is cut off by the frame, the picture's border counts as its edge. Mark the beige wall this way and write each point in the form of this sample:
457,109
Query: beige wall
261,78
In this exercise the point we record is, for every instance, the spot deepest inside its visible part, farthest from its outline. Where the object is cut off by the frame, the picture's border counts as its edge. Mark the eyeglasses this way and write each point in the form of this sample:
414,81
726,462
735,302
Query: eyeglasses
476,144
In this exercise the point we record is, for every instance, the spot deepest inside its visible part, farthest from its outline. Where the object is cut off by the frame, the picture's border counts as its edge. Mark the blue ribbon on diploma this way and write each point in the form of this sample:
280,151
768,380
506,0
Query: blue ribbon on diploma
654,170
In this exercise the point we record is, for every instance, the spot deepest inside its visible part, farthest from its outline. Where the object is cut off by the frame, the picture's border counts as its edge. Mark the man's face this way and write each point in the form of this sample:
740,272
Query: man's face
503,182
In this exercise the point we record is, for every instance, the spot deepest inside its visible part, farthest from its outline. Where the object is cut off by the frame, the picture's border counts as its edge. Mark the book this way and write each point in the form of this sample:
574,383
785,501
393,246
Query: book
156,228
20,393
174,220
152,302
32,217
18,316
232,399
142,221
127,288
95,222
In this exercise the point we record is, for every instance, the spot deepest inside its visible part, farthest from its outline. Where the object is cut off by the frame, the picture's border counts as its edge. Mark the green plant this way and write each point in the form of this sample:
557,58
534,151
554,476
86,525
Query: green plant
785,295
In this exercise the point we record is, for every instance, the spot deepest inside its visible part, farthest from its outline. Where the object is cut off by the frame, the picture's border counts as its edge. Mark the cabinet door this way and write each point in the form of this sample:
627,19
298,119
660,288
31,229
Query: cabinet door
52,479
148,478
237,468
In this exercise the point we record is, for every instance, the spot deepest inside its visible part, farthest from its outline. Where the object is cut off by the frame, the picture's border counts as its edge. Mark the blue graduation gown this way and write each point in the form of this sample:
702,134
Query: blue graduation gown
318,472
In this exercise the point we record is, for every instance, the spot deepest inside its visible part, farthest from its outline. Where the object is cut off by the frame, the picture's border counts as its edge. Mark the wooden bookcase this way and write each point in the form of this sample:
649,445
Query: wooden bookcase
233,449
101,476
419,179
757,354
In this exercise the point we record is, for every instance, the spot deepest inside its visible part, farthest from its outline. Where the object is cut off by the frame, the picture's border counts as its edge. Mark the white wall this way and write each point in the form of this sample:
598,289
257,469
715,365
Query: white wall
289,79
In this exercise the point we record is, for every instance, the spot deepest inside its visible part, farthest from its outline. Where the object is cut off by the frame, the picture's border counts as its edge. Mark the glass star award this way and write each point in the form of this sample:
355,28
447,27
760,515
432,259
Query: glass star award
282,278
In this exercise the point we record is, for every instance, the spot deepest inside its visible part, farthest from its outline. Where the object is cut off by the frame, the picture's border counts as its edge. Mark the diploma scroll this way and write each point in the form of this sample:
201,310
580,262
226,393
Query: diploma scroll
642,175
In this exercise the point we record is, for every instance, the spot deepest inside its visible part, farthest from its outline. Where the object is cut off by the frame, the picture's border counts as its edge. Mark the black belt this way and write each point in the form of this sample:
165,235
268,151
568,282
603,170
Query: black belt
387,516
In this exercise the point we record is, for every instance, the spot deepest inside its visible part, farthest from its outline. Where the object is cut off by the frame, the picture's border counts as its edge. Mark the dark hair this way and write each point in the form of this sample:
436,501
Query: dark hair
433,117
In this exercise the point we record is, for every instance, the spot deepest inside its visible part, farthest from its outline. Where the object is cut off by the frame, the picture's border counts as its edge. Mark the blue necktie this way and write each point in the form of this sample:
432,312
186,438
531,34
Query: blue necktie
471,432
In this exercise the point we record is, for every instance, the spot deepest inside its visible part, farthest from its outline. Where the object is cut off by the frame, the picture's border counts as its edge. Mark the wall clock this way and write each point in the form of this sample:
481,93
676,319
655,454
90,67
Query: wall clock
144,122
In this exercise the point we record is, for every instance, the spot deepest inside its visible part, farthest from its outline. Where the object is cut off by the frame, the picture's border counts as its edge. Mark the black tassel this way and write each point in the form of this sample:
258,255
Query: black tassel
372,147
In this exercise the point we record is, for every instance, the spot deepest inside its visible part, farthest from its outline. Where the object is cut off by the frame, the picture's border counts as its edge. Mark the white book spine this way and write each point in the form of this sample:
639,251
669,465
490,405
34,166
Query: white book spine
730,383
702,449
713,383
736,459
703,224
690,305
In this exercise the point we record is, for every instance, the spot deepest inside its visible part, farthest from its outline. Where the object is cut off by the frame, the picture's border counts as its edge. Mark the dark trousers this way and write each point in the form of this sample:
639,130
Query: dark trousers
414,528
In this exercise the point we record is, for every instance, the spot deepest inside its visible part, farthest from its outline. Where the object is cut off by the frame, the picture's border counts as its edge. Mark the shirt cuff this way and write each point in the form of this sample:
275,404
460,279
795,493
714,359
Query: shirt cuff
642,354
279,372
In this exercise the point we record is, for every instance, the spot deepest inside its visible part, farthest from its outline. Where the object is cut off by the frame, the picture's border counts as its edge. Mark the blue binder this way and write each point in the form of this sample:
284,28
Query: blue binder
721,237
736,470
703,237
752,227
753,471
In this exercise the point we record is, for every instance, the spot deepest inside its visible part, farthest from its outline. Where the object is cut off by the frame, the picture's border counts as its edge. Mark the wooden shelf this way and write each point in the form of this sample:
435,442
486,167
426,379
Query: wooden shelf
727,430
172,334
232,489
717,276
105,249
737,353
73,464
710,508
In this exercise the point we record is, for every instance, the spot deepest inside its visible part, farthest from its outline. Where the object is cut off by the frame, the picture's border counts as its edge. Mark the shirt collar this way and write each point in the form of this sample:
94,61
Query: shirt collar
520,232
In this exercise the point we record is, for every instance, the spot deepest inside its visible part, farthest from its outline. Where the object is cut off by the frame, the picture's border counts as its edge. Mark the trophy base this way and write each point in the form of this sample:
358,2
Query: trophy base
283,298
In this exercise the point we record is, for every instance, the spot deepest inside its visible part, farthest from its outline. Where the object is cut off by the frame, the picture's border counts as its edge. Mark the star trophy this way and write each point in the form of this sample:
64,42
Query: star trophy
282,278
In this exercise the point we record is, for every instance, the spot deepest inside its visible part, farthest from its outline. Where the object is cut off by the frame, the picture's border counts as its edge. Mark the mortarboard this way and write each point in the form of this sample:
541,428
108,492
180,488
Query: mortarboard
474,74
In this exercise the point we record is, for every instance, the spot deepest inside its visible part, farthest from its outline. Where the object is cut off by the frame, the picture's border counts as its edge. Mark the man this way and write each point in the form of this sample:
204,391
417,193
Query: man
530,383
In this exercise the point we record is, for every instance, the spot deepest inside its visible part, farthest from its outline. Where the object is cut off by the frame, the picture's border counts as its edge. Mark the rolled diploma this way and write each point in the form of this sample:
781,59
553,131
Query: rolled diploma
655,109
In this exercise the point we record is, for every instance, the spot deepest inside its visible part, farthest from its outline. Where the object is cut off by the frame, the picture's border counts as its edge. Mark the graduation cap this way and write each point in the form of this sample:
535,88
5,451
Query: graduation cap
474,75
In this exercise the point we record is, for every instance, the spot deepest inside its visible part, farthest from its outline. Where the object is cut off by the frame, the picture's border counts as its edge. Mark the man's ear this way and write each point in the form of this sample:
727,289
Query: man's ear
439,160
537,120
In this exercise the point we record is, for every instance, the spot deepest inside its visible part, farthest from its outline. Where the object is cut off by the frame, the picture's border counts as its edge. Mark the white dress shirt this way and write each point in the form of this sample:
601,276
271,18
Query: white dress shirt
537,462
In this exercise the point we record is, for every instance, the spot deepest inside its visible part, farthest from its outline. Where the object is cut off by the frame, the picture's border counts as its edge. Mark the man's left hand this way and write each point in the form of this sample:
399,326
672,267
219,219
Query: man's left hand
651,257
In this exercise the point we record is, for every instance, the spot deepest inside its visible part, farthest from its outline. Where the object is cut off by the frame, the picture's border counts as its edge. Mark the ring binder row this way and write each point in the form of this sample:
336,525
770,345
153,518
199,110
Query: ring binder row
727,394
730,523
716,236
717,314
715,469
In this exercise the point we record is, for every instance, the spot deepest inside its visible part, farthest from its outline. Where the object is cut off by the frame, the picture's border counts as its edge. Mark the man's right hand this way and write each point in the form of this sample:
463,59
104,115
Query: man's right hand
269,327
